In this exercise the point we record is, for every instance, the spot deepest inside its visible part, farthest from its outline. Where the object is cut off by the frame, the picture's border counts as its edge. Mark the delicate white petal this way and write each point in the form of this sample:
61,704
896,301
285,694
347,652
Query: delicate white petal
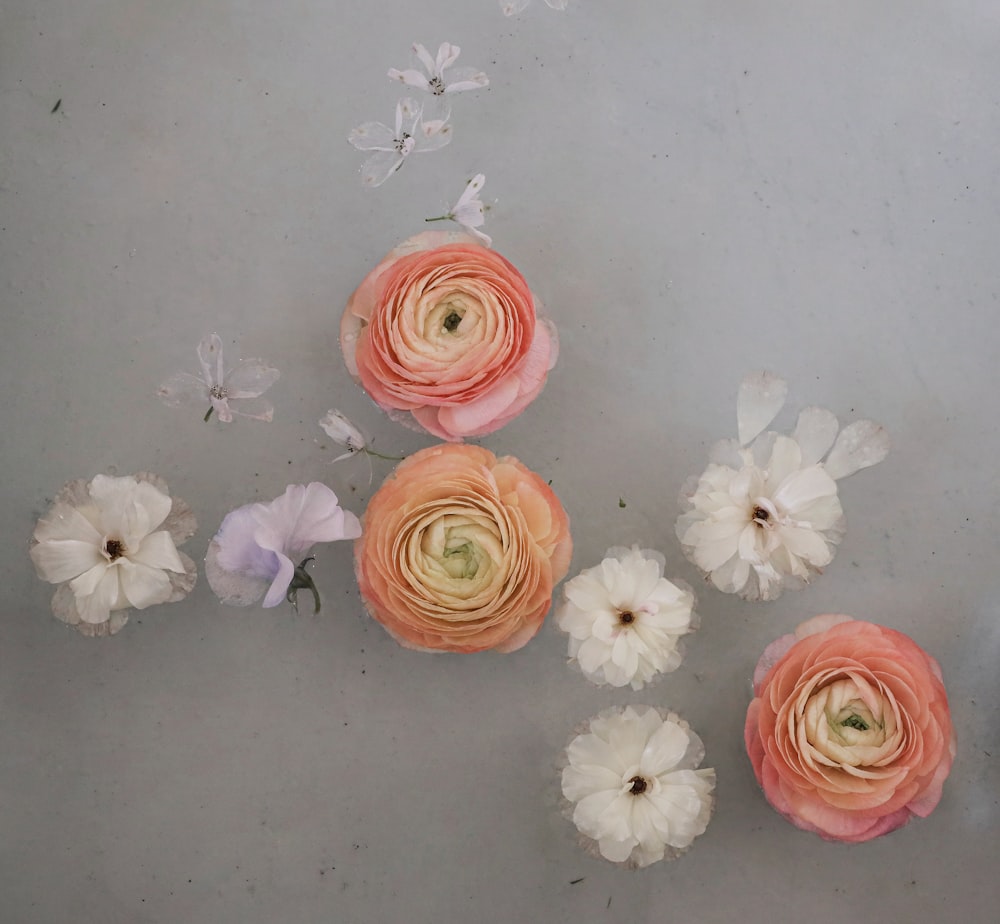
282,580
510,7
142,585
58,560
183,390
95,605
434,136
447,55
761,396
379,167
815,432
252,408
250,379
408,114
860,445
804,487
342,431
66,522
373,136
157,550
411,78
423,56
463,79
210,356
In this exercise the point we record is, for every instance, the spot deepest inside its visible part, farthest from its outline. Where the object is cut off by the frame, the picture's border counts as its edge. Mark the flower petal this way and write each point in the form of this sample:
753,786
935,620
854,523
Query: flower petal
250,379
761,396
379,167
157,550
183,390
95,607
815,432
58,560
143,585
410,78
373,136
861,444
278,590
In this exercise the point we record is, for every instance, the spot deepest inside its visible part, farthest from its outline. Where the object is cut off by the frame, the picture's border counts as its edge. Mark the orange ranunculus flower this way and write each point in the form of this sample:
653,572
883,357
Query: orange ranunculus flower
849,732
444,333
460,551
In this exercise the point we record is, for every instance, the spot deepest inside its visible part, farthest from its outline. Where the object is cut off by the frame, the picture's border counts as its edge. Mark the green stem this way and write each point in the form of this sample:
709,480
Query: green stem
379,455
208,413
302,581
448,217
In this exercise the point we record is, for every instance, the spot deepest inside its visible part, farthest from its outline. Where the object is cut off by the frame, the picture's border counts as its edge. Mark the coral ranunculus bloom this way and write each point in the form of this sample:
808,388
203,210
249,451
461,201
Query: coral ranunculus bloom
444,334
460,551
849,732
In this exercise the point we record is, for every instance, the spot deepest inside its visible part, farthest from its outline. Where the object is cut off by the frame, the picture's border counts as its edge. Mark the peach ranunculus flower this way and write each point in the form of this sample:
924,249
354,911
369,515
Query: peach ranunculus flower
849,732
444,333
460,551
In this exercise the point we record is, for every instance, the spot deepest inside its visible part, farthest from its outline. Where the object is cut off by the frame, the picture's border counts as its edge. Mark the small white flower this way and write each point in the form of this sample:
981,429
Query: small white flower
236,391
765,514
434,81
635,789
344,433
510,7
251,556
625,619
393,145
469,211
111,544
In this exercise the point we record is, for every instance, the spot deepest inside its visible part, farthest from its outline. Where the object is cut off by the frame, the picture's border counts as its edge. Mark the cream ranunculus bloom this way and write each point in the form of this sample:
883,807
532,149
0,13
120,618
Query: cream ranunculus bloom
460,551
111,544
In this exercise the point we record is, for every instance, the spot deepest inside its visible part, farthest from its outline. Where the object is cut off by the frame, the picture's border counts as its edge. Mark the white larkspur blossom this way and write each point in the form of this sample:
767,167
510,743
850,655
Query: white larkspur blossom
393,145
226,392
765,514
251,556
624,619
343,432
469,211
510,7
111,545
634,786
432,79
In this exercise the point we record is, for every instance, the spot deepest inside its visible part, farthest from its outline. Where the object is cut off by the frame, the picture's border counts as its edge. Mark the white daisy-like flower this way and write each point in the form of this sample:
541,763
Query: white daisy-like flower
635,789
469,211
510,7
111,544
625,619
432,79
393,145
226,392
765,515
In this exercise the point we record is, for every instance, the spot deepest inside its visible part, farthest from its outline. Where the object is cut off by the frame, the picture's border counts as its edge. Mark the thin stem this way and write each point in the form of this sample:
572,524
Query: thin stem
302,581
208,413
447,217
379,455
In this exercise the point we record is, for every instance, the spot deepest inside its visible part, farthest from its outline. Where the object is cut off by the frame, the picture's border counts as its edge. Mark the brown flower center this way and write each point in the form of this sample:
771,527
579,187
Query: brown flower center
626,617
452,321
761,516
114,548
639,786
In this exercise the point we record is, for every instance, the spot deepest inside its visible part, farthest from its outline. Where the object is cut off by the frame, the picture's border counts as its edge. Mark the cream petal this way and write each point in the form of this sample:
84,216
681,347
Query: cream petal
860,445
589,810
618,851
66,522
58,560
95,607
761,396
142,585
250,379
815,432
157,550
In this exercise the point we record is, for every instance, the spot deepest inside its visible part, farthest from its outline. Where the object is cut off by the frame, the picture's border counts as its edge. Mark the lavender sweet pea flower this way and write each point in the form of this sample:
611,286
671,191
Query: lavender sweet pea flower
252,553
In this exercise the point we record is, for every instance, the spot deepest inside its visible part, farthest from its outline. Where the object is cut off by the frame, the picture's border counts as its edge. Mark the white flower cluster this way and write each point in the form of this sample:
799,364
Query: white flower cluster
765,514
634,786
418,126
625,619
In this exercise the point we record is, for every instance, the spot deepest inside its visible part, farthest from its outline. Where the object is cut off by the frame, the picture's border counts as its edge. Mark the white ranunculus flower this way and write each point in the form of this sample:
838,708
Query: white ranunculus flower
633,782
624,619
111,544
765,514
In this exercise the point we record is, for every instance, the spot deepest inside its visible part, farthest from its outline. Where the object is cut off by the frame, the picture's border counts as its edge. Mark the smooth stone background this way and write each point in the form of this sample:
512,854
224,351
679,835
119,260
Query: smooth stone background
695,191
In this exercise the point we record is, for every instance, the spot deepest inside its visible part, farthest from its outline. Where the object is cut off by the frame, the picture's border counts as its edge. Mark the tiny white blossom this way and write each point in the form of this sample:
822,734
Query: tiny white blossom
393,145
236,391
624,619
635,791
469,211
510,7
432,79
765,515
343,432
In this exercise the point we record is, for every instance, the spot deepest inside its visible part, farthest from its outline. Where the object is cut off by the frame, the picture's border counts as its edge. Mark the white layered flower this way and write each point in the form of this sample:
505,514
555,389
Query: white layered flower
510,7
393,145
226,392
469,211
765,514
634,784
111,544
624,619
432,80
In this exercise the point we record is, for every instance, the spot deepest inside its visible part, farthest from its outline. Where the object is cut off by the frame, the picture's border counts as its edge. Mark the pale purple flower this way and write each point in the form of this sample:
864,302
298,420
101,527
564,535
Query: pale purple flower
432,78
393,145
227,392
252,553
469,211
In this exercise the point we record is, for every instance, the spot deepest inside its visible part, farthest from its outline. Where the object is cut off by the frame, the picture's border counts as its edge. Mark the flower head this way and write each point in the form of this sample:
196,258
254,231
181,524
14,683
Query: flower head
236,391
849,732
634,786
510,7
469,211
461,550
343,432
432,80
625,619
252,553
766,514
444,333
393,145
111,544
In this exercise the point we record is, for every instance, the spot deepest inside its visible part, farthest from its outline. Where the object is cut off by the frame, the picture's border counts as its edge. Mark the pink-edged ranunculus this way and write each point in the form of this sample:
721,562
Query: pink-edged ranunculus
460,551
444,333
849,731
